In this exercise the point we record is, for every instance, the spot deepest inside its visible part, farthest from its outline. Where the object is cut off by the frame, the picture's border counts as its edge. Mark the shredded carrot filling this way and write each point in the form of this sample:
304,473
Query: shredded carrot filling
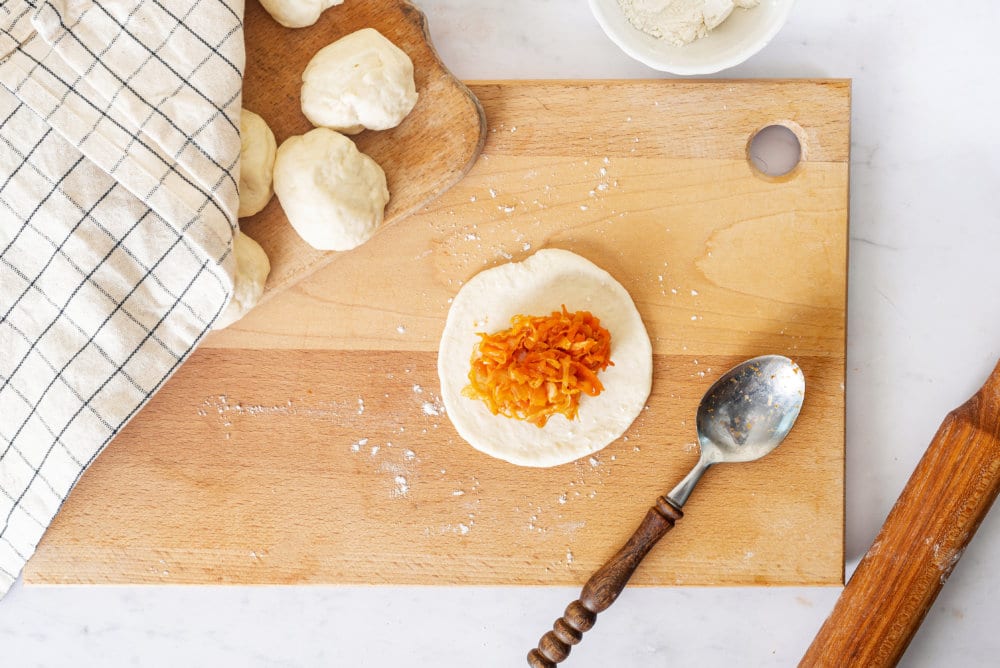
541,366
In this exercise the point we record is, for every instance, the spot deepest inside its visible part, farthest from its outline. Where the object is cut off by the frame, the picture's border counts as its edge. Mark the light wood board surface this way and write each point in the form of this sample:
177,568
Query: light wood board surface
427,153
306,444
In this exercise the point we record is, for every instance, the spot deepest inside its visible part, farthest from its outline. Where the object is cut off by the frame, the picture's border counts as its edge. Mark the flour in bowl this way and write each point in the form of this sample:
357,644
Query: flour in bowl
680,22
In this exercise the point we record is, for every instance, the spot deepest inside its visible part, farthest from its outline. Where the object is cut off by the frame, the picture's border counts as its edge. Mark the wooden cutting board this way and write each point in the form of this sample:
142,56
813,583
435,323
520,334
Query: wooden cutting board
423,156
307,444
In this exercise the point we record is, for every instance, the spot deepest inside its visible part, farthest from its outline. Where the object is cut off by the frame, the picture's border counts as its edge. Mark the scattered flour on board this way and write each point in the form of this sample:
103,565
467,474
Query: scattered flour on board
433,408
227,410
399,474
461,528
401,487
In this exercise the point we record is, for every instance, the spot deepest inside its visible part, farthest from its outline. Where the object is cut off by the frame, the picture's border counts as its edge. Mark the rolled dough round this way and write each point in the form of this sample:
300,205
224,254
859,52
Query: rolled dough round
538,286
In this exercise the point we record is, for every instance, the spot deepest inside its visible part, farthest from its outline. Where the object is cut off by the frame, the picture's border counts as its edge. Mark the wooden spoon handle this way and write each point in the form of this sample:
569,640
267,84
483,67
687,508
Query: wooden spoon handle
922,539
603,587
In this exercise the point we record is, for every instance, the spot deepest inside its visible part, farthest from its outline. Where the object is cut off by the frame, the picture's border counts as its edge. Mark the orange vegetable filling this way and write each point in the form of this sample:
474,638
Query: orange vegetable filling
541,366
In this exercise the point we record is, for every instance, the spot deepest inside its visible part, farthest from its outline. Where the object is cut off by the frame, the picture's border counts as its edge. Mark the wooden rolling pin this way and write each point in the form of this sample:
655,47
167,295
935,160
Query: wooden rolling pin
935,517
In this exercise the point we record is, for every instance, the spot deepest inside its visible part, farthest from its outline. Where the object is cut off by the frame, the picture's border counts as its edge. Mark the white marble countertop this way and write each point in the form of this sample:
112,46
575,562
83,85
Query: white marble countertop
924,332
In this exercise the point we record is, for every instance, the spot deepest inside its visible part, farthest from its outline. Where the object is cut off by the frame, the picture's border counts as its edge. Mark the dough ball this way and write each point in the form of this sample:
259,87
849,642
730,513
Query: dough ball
333,194
538,286
297,13
360,81
256,163
252,268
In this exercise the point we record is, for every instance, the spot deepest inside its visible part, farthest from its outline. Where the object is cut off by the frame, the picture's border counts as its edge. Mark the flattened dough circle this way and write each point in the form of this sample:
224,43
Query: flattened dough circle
537,286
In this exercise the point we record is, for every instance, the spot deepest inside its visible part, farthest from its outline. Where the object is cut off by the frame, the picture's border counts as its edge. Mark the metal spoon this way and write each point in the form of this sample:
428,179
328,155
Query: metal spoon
742,417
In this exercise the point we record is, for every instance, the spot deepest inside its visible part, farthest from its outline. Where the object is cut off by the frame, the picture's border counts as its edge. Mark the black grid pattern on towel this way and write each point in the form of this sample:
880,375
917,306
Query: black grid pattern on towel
114,215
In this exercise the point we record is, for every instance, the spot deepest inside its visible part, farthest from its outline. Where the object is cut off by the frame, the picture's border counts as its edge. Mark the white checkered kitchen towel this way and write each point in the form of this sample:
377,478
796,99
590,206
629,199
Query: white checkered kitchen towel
119,158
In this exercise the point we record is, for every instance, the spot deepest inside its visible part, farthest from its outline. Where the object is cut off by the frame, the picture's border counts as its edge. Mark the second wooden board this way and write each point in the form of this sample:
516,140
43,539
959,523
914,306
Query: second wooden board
422,157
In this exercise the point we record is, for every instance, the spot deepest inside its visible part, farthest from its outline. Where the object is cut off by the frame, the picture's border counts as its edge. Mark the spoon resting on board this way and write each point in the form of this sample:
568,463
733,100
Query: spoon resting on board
743,416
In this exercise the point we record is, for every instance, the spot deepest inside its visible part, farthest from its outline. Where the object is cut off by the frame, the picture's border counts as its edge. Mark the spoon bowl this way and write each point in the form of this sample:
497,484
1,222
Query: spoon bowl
744,415
750,409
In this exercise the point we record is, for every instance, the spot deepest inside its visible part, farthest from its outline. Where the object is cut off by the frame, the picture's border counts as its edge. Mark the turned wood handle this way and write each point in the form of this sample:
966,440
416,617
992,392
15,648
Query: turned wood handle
603,587
922,539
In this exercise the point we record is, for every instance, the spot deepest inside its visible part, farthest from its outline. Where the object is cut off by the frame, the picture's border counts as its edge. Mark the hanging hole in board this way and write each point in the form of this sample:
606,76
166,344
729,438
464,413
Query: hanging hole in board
775,151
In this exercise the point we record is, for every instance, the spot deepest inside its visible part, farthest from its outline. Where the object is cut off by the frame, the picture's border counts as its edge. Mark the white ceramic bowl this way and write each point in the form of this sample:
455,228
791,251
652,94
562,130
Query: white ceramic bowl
740,36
